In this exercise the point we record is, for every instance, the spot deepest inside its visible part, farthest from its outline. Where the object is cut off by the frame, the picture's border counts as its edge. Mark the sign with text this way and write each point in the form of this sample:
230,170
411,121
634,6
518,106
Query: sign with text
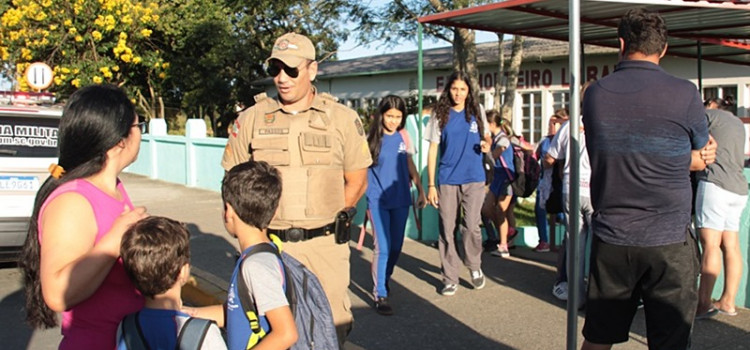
535,78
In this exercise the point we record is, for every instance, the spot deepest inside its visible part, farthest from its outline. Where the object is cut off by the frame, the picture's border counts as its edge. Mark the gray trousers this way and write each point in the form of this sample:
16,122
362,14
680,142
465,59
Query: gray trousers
584,223
470,196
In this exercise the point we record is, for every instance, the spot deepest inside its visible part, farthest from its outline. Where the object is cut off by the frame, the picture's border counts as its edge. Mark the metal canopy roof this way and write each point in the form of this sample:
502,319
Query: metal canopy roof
723,28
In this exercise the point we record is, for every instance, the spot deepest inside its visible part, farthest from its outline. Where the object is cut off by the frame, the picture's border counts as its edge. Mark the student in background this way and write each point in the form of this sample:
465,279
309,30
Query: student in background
719,202
388,192
497,204
549,190
559,151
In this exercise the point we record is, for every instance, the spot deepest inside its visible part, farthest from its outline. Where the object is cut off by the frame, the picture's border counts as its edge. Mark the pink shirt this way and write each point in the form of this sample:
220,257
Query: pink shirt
92,324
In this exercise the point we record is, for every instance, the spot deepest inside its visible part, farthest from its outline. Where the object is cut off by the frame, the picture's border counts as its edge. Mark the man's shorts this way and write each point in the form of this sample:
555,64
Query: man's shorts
717,208
664,277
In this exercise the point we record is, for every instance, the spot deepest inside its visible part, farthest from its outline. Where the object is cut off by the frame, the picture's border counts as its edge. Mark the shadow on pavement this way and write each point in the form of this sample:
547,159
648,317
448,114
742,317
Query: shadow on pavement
516,309
419,322
16,334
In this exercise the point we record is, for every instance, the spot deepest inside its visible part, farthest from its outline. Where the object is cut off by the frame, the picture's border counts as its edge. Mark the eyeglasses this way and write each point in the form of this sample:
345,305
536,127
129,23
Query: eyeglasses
141,126
274,68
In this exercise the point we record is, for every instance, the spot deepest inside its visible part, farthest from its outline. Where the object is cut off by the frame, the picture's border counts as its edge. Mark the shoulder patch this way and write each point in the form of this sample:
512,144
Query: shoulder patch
236,127
259,97
360,129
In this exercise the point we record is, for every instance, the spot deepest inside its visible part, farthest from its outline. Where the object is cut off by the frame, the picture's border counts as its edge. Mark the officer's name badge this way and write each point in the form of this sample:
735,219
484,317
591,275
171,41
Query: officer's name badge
273,131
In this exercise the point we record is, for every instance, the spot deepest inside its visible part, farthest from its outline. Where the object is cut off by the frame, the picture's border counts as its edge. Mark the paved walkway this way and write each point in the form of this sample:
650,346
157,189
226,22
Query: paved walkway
515,310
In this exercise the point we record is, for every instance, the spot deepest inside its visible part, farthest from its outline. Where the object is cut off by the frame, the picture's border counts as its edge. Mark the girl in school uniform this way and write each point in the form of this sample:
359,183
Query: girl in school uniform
388,192
459,131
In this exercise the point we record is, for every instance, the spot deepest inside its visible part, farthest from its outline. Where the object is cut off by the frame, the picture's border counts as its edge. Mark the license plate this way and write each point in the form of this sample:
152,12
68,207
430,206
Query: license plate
19,183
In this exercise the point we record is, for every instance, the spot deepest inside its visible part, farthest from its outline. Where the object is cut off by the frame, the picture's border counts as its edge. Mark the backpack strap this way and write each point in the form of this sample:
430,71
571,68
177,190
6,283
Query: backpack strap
405,137
192,334
132,333
246,300
505,165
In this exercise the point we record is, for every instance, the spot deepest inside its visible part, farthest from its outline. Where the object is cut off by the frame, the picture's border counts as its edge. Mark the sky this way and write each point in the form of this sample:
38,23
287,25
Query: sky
349,49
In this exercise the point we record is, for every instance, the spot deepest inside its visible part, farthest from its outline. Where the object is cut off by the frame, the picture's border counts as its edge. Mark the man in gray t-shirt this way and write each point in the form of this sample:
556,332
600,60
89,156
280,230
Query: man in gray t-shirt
727,173
720,198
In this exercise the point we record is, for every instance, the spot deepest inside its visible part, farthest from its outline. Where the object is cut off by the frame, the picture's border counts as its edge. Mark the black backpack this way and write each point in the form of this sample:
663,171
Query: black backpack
488,163
307,300
191,335
528,171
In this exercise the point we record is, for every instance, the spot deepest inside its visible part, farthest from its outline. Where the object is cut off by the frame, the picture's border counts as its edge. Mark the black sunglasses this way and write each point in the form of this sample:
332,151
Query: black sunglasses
274,68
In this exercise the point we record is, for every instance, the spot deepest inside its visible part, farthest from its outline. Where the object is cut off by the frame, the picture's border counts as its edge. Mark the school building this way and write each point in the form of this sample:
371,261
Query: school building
543,84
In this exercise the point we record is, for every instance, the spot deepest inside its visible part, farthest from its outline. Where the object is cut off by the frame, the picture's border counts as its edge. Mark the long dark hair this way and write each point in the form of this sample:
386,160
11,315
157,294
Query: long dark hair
95,119
442,110
375,136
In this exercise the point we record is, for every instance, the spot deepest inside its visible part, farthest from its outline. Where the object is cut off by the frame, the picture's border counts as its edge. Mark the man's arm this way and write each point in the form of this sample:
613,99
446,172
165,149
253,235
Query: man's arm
549,161
700,158
355,185
558,147
238,142
211,312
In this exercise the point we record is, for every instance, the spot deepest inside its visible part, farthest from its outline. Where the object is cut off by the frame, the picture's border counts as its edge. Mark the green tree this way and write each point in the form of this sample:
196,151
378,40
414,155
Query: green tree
219,47
200,41
200,56
85,41
258,23
398,21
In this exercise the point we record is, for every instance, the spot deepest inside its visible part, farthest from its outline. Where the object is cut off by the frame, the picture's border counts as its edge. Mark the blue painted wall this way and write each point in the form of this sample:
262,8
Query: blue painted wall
196,162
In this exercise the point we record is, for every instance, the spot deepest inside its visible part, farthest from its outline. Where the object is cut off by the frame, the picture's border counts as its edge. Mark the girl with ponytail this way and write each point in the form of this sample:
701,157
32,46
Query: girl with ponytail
70,259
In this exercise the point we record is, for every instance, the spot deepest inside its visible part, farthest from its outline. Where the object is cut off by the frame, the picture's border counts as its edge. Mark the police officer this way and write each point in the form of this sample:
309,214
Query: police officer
319,147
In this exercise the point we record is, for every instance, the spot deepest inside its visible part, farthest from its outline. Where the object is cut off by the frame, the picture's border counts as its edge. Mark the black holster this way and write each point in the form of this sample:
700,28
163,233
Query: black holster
344,223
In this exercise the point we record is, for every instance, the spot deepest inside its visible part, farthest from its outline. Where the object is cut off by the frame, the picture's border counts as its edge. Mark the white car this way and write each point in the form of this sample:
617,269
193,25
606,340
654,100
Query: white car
28,145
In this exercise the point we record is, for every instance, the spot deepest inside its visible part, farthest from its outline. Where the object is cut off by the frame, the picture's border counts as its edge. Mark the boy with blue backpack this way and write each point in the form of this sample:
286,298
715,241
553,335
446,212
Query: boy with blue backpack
251,193
273,301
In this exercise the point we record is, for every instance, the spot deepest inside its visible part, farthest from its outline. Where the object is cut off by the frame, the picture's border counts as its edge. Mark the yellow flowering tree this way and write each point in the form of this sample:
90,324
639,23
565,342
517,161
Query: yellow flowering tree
86,42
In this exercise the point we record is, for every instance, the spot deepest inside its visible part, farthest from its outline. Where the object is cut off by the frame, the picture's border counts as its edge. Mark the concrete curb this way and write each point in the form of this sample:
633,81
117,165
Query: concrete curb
204,289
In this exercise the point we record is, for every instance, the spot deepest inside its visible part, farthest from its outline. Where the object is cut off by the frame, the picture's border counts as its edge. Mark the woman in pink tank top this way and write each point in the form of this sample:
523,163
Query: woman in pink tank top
71,257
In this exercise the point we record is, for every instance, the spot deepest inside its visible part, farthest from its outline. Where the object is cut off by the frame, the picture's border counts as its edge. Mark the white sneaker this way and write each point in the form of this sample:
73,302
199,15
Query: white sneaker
560,290
449,289
477,279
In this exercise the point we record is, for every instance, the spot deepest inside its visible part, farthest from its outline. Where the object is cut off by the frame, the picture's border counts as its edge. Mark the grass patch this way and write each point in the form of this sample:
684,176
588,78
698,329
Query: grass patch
524,211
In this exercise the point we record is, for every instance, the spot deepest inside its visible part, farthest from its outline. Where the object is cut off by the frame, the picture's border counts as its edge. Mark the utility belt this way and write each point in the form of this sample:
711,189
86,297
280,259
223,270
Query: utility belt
341,228
296,234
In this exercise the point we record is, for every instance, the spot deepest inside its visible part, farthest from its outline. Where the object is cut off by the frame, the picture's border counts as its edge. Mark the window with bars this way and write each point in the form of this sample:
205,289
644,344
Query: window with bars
722,92
560,99
531,116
